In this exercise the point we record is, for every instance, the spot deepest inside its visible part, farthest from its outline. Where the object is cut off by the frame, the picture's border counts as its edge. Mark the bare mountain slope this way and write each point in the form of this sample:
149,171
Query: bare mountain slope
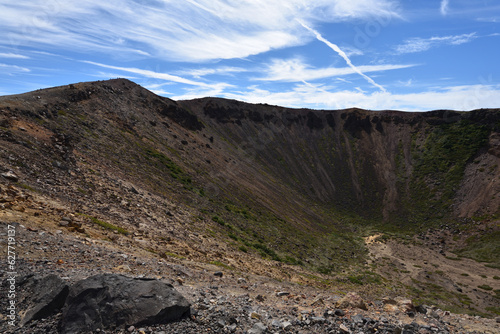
237,184
375,163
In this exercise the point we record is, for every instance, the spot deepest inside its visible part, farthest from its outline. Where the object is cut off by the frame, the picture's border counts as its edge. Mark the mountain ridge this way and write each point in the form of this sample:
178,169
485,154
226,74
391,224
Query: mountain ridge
297,187
340,132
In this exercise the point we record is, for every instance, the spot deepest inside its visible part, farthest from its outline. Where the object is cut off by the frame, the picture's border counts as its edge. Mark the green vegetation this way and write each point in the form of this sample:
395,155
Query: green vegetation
292,261
485,287
166,254
483,248
220,264
439,167
325,270
495,266
493,310
218,220
162,161
247,222
27,187
266,252
278,239
106,225
435,294
245,213
366,277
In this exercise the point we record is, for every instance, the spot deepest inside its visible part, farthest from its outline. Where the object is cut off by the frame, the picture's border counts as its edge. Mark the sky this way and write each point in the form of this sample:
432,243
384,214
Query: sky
412,55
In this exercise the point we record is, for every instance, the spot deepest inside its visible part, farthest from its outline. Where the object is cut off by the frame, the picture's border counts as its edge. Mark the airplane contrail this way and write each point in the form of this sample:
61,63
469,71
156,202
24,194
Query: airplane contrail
341,53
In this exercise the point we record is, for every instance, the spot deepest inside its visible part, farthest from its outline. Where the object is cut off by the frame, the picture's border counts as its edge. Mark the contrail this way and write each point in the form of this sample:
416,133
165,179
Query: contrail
341,53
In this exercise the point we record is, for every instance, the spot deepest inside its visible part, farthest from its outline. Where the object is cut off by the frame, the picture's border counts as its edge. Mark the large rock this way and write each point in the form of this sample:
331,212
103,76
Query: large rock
351,300
10,176
112,301
405,305
398,304
41,296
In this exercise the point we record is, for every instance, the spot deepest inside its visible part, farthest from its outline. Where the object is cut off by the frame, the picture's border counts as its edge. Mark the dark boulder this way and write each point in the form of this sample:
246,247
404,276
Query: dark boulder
114,301
42,296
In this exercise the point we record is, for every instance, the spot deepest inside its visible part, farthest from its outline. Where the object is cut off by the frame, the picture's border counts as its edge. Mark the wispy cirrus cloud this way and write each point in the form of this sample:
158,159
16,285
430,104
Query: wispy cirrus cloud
12,69
418,44
489,19
149,74
175,30
201,72
295,70
13,55
209,87
444,8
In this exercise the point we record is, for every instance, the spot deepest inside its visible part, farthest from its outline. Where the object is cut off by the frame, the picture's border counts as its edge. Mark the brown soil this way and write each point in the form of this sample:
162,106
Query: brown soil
425,264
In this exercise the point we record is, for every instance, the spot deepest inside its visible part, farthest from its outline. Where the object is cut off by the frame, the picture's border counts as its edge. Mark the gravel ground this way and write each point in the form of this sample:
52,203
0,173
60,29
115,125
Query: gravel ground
223,301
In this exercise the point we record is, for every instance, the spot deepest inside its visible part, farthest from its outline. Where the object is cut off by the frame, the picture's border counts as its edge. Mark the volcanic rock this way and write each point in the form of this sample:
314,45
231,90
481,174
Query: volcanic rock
111,301
43,295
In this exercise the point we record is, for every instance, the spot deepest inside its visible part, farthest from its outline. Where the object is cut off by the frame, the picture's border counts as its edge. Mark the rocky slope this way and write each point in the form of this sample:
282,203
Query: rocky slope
260,189
222,301
369,162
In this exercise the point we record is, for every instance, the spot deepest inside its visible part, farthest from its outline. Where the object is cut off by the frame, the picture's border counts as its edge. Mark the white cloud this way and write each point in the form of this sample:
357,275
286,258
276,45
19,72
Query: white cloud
143,53
418,44
406,83
197,92
295,70
198,88
161,92
201,72
43,53
444,7
343,80
175,30
351,51
354,9
150,74
489,19
319,96
157,86
12,69
13,55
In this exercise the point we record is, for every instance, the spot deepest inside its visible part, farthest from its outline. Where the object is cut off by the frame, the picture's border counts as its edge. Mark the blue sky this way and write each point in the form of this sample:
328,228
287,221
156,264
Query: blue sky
324,54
